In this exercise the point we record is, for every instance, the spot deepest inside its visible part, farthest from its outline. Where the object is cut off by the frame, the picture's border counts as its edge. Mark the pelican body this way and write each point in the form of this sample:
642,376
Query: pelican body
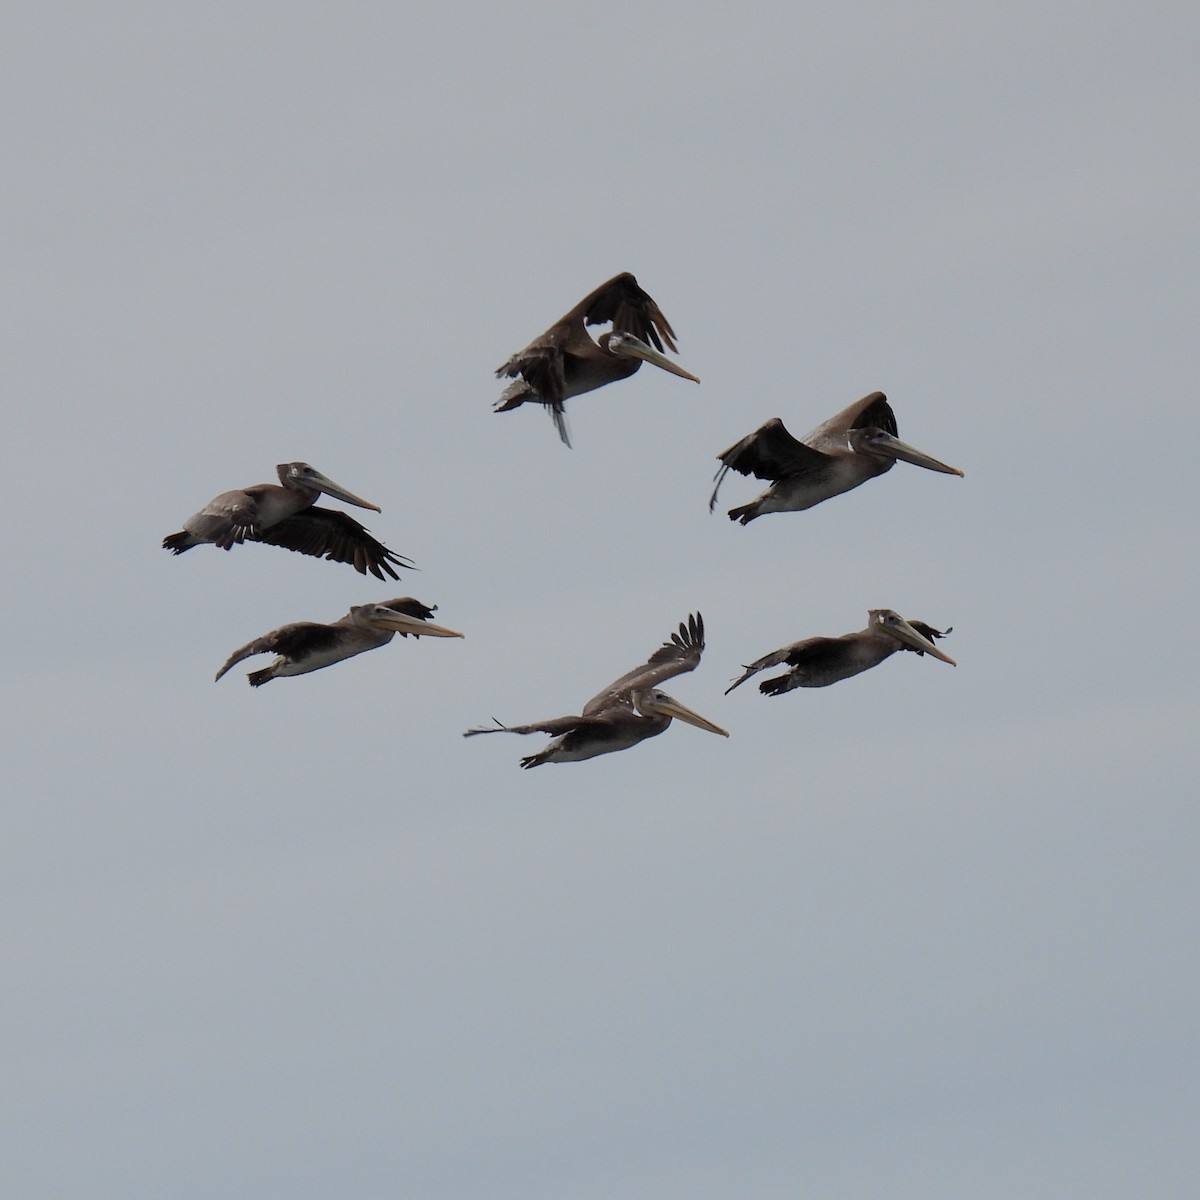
628,711
284,514
858,444
308,645
565,361
820,661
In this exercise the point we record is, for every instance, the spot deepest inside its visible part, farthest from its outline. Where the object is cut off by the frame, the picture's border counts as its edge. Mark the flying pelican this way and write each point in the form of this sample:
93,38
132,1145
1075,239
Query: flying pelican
283,514
856,445
565,361
820,661
627,711
308,645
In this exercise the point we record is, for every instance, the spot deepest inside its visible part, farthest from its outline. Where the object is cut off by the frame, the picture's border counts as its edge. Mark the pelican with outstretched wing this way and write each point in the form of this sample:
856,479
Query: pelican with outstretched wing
566,361
309,645
628,711
284,514
820,661
856,445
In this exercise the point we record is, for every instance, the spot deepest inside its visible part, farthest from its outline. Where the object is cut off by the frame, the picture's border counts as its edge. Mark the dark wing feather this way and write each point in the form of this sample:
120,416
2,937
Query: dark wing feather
770,453
542,366
818,661
811,652
291,641
875,412
929,632
816,652
675,657
336,536
629,308
872,411
411,608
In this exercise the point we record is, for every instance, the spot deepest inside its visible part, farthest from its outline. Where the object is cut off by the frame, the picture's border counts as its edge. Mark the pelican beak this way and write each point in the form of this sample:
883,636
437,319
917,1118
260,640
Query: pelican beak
893,447
911,637
317,480
632,347
672,708
399,622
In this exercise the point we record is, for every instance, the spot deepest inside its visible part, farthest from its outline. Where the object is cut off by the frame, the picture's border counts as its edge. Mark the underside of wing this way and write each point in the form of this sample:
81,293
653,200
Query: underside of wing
336,536
675,657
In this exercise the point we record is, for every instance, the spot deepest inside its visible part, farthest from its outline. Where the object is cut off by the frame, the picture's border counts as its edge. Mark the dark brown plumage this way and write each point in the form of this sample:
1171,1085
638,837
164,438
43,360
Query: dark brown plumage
856,445
285,515
628,711
565,361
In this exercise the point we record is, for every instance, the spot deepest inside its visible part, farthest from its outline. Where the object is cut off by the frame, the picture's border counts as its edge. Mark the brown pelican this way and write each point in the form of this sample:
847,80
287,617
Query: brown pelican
565,361
628,711
820,661
308,645
856,445
283,514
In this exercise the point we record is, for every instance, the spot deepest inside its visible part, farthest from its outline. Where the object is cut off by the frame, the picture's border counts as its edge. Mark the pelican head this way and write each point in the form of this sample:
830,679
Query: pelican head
884,620
301,475
880,444
379,616
656,703
625,345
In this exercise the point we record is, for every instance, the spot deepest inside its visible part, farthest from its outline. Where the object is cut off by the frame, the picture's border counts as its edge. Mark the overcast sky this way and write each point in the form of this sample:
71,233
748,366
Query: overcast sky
928,933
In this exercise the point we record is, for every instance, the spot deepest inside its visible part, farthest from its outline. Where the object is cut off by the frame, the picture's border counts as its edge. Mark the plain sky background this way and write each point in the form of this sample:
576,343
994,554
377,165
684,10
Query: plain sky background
930,933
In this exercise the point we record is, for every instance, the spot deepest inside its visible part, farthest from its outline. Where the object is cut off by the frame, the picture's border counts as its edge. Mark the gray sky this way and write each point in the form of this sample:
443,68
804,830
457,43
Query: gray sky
928,933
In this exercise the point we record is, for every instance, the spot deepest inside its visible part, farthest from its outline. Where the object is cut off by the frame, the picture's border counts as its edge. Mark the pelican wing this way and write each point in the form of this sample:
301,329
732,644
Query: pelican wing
291,641
872,411
675,657
816,652
810,653
411,607
554,726
629,308
770,453
226,520
542,366
927,631
336,536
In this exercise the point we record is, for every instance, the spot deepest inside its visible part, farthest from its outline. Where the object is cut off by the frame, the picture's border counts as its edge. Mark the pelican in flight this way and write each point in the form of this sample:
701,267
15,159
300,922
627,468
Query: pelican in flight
308,645
856,445
565,361
283,514
820,661
628,711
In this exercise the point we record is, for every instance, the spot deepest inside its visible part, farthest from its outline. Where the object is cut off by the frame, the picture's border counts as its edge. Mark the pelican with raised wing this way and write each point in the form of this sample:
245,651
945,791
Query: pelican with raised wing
309,645
856,445
284,514
628,711
565,361
820,661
